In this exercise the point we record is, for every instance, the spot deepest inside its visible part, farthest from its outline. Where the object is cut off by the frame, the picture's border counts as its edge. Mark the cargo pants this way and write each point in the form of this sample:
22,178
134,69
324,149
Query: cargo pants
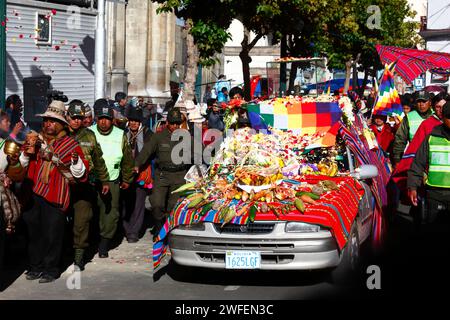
162,199
84,196
109,210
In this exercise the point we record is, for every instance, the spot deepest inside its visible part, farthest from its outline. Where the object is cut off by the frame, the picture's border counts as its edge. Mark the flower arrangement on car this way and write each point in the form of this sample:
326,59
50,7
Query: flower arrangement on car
256,172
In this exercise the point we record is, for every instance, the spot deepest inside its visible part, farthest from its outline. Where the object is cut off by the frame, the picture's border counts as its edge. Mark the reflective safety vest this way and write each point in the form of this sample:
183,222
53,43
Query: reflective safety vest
112,150
439,162
414,120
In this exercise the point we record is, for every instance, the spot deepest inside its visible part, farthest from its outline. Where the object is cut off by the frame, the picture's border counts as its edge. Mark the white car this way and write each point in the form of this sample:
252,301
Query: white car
273,245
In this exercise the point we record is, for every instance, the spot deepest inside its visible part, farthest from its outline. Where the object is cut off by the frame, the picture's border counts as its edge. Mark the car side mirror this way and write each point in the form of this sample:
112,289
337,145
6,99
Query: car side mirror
365,171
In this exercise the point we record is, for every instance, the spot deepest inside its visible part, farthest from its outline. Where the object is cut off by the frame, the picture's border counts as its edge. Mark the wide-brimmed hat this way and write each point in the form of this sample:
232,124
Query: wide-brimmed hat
195,116
56,110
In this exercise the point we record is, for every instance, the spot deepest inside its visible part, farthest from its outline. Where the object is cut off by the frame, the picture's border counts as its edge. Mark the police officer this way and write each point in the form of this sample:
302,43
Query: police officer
410,124
119,162
433,156
84,195
168,176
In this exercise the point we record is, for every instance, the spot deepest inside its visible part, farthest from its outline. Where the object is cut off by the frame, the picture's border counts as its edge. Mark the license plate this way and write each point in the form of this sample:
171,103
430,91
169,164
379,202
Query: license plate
243,260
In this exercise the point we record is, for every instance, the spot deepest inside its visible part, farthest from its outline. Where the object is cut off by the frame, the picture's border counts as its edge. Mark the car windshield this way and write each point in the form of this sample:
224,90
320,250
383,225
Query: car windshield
337,152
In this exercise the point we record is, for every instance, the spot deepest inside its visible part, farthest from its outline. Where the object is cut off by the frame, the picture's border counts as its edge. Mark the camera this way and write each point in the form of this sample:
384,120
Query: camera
56,95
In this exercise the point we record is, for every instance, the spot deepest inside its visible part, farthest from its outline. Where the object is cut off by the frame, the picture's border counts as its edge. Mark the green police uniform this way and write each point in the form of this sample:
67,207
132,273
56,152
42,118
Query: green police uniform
168,176
433,160
120,163
84,194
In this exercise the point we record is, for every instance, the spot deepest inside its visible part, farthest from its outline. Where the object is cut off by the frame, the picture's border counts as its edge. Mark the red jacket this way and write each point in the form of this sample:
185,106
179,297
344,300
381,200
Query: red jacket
401,171
385,137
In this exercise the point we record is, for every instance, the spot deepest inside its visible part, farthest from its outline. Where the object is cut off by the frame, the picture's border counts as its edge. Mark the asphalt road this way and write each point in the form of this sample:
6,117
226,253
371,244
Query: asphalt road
413,264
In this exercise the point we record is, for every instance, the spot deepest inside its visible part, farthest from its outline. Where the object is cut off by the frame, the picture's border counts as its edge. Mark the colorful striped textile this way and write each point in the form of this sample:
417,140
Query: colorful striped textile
364,155
388,100
302,117
410,63
335,210
56,191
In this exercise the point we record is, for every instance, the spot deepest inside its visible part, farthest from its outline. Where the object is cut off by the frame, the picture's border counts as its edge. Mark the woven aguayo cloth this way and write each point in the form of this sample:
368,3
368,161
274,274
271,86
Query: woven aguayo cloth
335,210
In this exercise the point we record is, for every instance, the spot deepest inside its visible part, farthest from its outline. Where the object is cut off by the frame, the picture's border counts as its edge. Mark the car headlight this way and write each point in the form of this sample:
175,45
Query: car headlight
301,227
192,227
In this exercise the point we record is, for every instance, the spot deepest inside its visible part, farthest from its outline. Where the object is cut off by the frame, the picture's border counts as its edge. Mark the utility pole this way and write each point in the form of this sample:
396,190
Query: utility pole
2,53
100,51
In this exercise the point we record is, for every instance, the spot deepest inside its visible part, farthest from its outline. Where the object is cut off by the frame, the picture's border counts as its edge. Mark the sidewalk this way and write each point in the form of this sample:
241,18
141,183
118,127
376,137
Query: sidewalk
129,266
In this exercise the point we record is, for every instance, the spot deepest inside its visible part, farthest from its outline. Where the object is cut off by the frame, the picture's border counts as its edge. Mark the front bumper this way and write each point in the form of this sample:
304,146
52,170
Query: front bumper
279,250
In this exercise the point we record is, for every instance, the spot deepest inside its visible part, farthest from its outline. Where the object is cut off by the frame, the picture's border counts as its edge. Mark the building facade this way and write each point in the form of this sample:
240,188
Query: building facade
436,32
51,39
141,47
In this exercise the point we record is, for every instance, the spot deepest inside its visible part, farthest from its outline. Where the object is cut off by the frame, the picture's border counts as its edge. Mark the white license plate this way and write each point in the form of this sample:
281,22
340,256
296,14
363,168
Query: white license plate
243,260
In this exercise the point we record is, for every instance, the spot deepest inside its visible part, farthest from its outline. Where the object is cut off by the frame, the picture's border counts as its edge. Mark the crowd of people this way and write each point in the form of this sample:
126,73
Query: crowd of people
105,161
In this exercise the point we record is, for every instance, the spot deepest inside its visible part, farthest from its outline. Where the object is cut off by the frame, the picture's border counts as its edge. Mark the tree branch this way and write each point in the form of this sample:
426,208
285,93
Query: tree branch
254,41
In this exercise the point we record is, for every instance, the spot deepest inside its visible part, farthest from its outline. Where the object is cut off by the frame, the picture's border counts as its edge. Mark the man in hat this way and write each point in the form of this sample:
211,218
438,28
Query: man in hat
52,166
133,211
119,162
168,175
433,161
88,116
84,195
410,124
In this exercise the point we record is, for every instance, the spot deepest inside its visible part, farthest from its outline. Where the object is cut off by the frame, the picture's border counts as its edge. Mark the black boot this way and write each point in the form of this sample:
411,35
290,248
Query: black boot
79,259
103,248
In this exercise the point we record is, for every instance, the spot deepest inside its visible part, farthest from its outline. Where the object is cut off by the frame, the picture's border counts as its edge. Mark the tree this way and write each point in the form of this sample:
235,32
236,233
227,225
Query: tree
206,22
349,34
279,18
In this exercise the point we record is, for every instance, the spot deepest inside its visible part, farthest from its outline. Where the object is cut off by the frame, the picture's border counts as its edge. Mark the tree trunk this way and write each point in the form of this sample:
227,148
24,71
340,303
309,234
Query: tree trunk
191,64
283,66
293,76
366,77
355,82
246,59
348,73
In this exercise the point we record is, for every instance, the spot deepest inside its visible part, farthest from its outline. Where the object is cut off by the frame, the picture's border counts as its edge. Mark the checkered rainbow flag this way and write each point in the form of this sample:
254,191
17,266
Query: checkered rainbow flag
298,115
388,99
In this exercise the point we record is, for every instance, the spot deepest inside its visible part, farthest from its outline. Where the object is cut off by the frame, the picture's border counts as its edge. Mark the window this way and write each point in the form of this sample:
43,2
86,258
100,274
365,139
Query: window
43,29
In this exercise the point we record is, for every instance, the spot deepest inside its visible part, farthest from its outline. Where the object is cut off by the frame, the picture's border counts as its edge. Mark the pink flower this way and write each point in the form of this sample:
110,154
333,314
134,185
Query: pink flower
53,12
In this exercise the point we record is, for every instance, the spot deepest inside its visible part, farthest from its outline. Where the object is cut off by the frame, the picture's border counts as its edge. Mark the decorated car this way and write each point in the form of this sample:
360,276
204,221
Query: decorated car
302,189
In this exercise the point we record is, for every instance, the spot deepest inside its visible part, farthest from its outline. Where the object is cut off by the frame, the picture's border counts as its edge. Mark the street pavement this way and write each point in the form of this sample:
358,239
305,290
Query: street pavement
412,262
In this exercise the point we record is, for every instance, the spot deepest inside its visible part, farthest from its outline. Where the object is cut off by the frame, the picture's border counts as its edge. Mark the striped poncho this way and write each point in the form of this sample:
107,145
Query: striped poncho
56,190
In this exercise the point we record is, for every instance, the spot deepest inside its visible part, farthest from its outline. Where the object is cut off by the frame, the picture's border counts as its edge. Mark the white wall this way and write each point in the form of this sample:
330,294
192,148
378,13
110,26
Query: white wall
420,6
232,66
237,34
71,68
438,14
